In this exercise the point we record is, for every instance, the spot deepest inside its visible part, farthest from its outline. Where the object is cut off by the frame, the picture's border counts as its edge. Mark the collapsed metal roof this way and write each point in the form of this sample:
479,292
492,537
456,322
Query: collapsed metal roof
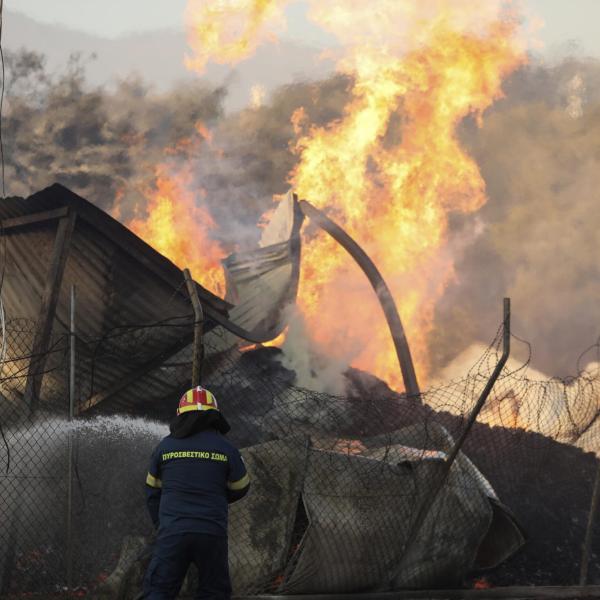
55,239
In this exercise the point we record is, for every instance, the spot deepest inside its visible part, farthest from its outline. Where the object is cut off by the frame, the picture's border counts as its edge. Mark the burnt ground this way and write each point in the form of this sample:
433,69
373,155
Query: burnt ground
547,485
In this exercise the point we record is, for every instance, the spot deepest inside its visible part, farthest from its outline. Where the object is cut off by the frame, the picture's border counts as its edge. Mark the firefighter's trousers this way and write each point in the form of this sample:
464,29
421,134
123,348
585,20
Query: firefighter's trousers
172,556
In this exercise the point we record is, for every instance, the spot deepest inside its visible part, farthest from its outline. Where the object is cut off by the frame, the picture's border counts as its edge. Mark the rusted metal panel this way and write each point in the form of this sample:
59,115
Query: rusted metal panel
123,285
121,282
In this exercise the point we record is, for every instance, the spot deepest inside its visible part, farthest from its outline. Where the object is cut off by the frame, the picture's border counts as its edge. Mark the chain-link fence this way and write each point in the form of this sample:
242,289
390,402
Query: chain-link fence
337,481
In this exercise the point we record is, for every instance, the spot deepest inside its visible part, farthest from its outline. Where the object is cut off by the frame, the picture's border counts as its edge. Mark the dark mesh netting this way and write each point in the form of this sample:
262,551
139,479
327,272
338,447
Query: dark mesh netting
337,482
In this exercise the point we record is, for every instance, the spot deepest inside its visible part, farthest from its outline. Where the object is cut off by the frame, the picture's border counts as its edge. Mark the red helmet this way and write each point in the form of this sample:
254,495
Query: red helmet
197,399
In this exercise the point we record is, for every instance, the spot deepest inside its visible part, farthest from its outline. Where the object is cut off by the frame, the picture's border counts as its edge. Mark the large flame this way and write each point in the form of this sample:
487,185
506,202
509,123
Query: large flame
391,170
179,227
227,31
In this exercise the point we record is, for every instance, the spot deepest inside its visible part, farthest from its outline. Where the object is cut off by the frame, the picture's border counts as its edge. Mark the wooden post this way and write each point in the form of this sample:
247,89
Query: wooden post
587,544
41,340
198,329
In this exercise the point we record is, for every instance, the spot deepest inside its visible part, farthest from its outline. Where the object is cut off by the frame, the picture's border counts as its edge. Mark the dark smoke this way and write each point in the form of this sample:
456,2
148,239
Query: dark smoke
538,153
537,150
57,128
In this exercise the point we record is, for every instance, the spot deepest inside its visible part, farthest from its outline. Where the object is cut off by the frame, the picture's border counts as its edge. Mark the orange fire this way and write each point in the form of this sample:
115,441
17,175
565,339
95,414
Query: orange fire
179,228
390,171
278,341
228,31
481,583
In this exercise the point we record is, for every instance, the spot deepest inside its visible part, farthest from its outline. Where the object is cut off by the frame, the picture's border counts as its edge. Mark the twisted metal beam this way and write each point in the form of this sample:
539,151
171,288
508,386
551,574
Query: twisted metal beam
381,289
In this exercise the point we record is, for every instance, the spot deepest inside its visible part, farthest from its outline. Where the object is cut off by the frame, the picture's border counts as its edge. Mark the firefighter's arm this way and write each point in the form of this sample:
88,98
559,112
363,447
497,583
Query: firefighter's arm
238,482
153,487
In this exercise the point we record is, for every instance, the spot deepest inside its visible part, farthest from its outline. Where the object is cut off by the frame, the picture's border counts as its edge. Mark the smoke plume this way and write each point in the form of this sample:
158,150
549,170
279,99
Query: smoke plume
536,239
540,243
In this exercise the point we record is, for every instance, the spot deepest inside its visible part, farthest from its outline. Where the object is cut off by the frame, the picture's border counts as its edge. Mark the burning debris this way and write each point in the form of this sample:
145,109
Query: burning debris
393,185
381,451
341,479
247,157
271,272
564,411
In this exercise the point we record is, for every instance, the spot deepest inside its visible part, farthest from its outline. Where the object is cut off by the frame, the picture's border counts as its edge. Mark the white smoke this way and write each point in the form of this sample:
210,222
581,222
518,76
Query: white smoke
314,370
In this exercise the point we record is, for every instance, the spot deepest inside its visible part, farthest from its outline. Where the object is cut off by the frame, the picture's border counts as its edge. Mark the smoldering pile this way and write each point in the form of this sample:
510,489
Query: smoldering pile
528,470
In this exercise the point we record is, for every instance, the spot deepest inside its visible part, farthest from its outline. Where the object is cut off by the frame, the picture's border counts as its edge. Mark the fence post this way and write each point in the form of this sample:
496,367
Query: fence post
438,484
198,353
587,544
72,342
488,387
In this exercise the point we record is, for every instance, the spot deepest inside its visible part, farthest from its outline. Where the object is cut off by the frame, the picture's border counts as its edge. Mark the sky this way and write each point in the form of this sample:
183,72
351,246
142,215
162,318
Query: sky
98,17
570,25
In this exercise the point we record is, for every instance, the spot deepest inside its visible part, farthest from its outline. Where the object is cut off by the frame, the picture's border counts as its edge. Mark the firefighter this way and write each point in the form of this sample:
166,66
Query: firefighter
194,473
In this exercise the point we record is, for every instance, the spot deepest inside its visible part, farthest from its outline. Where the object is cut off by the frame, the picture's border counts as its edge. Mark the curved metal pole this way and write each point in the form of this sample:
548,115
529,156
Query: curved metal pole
381,289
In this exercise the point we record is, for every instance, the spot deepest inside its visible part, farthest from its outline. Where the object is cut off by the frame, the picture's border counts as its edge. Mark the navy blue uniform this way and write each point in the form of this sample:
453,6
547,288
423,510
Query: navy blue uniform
189,485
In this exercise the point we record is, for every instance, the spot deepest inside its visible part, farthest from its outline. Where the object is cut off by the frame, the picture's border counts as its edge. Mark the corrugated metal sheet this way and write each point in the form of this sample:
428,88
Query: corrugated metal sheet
123,286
